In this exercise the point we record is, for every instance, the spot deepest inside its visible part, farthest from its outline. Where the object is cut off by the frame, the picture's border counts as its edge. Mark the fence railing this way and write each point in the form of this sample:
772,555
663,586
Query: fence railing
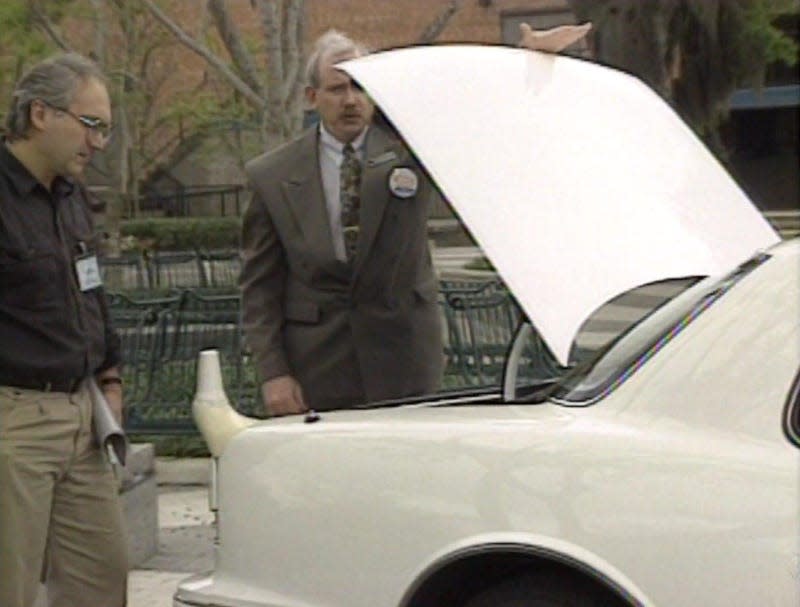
171,270
162,331
182,201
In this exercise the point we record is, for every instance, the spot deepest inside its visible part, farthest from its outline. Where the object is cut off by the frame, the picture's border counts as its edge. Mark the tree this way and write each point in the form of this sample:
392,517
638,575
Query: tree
17,46
693,52
272,93
440,22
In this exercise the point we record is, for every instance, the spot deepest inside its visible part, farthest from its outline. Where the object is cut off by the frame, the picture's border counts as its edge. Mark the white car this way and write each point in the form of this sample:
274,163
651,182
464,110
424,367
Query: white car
662,472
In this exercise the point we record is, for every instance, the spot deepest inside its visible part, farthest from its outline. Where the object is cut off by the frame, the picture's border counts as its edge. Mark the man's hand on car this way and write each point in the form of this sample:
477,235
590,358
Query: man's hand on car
283,396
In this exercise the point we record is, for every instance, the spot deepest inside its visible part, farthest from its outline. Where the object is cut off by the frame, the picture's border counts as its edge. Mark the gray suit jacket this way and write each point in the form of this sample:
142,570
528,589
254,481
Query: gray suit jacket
347,334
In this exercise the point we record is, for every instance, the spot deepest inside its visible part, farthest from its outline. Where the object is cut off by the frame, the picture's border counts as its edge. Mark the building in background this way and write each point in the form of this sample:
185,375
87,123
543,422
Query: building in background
761,133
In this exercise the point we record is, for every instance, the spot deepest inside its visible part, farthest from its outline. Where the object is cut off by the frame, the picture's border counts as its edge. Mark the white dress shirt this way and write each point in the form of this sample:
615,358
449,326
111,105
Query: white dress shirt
331,153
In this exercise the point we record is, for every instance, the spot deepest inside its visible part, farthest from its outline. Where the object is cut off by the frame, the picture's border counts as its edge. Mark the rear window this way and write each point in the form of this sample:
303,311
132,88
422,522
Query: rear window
601,375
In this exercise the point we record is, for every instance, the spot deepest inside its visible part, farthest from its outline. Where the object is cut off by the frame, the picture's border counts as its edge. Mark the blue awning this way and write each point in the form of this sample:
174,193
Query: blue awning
766,98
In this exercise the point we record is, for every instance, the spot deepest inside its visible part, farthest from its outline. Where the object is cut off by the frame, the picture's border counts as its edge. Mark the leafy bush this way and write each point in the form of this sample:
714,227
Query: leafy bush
182,233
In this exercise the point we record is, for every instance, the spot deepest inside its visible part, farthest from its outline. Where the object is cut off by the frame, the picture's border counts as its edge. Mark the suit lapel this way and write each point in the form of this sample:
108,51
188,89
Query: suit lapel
306,200
382,154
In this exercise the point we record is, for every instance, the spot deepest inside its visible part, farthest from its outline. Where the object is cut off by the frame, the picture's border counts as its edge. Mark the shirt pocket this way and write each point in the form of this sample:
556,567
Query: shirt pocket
29,280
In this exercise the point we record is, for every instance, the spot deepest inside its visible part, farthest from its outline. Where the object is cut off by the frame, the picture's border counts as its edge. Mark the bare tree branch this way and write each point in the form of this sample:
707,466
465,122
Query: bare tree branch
232,39
271,19
203,26
436,27
40,19
247,92
293,55
100,29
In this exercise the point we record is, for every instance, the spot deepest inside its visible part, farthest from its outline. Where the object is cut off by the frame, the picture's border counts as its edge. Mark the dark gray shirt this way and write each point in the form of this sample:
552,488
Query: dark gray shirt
50,330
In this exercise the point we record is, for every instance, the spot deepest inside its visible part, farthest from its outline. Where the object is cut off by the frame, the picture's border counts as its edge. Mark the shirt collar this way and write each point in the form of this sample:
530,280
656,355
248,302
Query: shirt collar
23,180
18,174
329,141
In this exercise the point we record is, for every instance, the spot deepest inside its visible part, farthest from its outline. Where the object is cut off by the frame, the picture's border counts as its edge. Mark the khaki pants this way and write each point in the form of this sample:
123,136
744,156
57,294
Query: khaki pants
60,517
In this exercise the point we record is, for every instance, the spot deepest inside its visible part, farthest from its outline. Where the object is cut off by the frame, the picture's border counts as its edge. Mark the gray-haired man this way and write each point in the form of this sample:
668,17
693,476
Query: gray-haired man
60,518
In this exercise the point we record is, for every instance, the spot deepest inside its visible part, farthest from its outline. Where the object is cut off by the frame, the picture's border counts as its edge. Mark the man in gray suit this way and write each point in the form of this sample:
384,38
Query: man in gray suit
339,295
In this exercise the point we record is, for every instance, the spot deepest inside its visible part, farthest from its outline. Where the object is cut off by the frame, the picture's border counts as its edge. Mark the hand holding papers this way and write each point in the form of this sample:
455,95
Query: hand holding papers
107,431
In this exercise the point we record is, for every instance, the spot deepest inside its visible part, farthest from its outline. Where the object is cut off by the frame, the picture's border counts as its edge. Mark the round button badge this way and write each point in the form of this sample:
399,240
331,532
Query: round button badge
403,182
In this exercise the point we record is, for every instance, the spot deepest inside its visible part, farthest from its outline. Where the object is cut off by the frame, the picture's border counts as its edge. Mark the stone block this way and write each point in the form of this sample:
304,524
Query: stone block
183,470
139,496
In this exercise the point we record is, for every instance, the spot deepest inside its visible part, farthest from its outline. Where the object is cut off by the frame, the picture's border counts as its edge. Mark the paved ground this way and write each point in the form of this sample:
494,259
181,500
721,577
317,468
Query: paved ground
186,534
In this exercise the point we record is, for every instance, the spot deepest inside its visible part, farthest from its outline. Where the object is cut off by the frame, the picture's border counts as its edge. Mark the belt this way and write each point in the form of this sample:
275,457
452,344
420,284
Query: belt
43,385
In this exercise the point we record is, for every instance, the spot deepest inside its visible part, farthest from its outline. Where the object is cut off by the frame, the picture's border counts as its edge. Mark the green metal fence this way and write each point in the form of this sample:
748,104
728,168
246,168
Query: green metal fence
159,270
189,305
161,337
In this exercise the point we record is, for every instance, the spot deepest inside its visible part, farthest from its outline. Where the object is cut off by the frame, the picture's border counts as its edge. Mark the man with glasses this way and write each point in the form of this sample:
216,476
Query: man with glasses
60,518
99,129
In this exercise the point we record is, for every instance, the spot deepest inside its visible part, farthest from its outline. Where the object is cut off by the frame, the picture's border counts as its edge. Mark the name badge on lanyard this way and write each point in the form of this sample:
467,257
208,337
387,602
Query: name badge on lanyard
87,270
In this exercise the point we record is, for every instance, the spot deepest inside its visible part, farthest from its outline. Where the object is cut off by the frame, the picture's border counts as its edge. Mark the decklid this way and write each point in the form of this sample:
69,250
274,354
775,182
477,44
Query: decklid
577,180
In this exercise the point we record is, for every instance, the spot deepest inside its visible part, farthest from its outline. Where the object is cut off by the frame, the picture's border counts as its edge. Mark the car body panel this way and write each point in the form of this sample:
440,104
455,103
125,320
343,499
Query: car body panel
547,159
677,502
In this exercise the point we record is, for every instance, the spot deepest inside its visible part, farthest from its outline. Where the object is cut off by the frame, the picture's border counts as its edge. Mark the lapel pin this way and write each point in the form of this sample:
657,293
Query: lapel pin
382,158
403,182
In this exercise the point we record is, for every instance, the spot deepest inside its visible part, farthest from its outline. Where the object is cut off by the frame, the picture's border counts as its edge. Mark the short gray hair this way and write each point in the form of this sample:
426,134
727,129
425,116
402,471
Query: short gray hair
330,44
53,81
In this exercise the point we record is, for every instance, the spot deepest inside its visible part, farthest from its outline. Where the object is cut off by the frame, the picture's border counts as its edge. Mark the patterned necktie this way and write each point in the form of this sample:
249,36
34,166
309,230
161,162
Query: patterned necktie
350,198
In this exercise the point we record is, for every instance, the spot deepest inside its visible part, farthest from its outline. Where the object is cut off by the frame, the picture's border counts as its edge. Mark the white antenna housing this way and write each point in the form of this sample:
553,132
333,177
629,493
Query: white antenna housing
217,420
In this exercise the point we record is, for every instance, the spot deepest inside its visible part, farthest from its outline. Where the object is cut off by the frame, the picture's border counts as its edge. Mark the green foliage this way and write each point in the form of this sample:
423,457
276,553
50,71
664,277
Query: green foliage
20,46
183,233
757,42
708,49
139,59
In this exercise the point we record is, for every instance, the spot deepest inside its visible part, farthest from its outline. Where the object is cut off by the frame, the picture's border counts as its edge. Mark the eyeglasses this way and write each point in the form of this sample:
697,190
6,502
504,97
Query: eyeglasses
96,126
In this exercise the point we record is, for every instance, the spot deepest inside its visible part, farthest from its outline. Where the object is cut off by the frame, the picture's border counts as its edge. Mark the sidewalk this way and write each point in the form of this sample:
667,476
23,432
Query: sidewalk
185,536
